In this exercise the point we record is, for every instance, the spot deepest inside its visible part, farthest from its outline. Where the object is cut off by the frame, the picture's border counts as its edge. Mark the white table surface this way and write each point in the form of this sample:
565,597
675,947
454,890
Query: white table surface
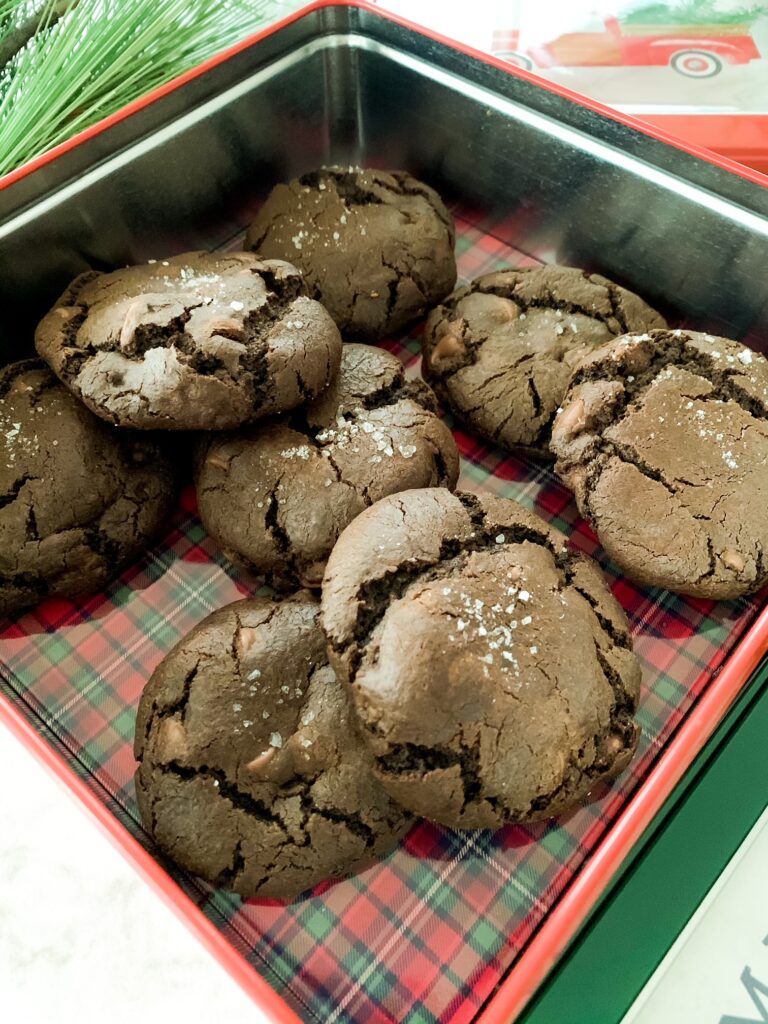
83,939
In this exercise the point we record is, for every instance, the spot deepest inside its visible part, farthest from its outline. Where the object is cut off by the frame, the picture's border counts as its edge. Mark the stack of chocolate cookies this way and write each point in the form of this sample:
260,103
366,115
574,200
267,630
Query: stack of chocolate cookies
422,652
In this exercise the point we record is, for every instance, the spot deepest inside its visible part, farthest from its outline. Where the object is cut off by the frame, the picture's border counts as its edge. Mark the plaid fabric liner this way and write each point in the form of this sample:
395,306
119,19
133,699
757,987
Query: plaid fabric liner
426,935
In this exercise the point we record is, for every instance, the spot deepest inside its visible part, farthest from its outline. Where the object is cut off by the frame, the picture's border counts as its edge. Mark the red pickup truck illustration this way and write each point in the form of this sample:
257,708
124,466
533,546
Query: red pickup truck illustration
698,51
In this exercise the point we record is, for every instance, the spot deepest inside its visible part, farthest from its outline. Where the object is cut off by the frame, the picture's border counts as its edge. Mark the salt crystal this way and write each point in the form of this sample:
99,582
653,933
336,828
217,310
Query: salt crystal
247,723
265,714
336,236
461,624
254,675
285,689
275,740
630,379
524,595
300,452
307,717
526,621
237,707
306,743
237,306
559,329
534,650
487,658
500,538
574,328
406,450
745,357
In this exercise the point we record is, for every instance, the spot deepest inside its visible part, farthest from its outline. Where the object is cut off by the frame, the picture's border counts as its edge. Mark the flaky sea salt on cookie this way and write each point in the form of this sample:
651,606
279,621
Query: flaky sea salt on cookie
198,342
663,437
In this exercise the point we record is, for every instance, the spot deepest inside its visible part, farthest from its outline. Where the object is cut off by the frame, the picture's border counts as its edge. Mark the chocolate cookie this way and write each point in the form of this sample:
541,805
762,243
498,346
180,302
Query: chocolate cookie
197,342
276,497
376,247
252,774
663,437
500,352
491,668
77,499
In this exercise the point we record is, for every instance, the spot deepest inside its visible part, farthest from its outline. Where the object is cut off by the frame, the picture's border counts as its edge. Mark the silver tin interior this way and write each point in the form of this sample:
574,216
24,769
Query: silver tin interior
342,85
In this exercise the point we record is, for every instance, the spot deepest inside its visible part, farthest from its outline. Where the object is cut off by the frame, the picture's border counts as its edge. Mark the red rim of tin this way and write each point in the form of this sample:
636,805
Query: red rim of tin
562,923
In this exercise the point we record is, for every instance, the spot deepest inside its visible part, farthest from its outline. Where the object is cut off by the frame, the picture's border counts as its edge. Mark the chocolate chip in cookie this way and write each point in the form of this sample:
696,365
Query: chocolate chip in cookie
376,247
78,500
492,669
277,496
199,342
500,351
252,773
663,437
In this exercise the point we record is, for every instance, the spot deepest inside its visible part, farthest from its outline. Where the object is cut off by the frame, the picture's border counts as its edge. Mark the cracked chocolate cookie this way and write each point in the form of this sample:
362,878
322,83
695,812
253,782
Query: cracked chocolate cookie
491,668
77,499
197,342
499,352
663,437
277,496
252,773
375,247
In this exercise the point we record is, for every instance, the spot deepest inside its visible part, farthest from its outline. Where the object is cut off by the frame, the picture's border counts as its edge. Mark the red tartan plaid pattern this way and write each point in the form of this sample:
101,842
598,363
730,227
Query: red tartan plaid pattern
427,934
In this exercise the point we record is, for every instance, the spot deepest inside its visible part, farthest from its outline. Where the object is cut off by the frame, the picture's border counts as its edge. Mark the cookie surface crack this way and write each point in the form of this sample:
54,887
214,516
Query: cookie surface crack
13,492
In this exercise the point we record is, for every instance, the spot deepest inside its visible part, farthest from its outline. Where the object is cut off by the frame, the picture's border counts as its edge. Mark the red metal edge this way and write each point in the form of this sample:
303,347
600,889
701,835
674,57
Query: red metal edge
260,991
564,921
649,127
740,137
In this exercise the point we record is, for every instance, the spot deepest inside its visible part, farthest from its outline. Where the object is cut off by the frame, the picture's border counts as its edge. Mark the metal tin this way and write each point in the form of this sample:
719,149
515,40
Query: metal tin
546,172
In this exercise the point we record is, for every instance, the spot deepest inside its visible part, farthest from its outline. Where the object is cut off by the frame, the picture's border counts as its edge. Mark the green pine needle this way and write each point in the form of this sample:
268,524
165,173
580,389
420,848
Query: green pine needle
89,58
